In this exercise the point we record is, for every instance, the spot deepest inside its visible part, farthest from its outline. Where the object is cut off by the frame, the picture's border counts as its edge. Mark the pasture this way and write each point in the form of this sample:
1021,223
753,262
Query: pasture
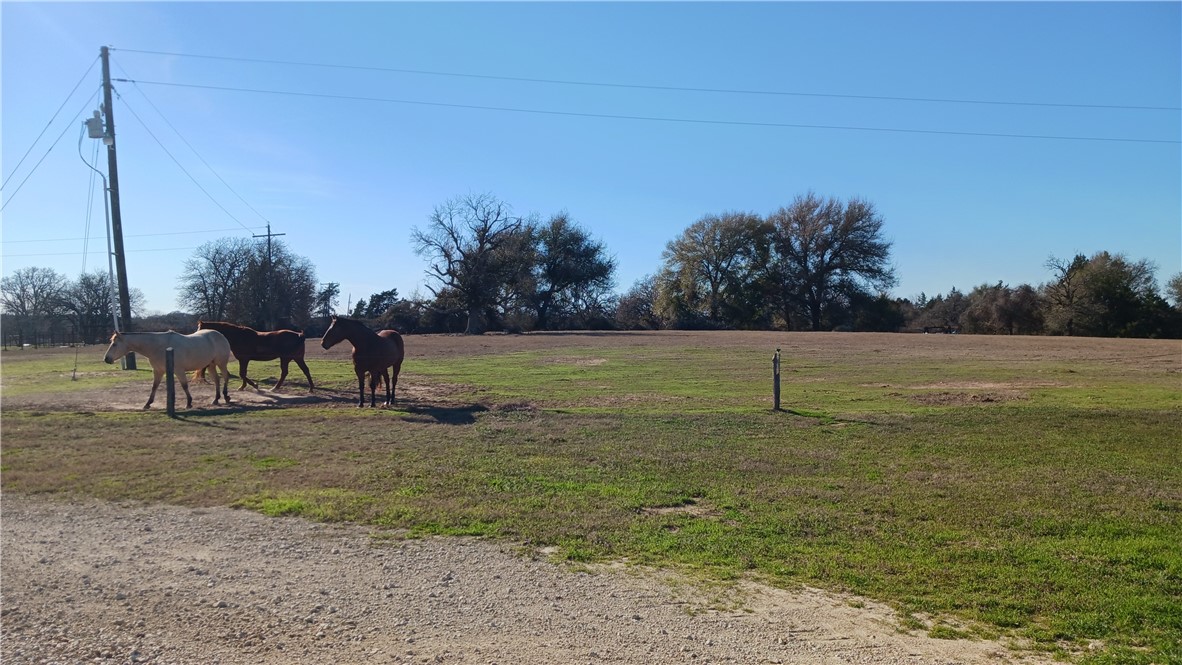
1023,488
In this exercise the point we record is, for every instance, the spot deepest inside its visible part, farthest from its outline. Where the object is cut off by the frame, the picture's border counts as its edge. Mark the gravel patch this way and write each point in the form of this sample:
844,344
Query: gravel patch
95,582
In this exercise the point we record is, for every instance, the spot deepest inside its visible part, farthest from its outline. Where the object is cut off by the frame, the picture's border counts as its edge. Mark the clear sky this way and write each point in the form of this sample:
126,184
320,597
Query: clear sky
397,107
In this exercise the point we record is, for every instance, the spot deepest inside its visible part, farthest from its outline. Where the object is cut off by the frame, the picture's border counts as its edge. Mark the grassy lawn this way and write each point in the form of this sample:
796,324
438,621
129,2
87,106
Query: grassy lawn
983,490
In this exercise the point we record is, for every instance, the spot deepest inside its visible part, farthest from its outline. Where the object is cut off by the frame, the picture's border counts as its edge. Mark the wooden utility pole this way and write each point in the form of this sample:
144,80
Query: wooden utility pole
270,277
116,217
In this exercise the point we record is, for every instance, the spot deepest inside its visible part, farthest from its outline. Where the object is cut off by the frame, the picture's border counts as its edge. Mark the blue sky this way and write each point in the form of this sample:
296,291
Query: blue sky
347,167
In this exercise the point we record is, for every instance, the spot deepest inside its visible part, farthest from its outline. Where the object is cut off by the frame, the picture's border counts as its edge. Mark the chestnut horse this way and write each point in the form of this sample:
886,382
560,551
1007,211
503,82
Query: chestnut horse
373,352
204,348
249,344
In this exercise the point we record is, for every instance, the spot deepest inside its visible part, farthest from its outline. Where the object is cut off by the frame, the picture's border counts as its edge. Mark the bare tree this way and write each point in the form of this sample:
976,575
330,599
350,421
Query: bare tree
212,277
635,309
88,304
825,251
33,297
463,240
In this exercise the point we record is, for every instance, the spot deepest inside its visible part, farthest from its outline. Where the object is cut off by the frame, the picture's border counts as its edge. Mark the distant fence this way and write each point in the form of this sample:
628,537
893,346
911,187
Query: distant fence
38,340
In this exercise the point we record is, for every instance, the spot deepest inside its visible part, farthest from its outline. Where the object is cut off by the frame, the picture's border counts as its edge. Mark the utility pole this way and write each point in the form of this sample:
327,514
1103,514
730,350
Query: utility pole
270,277
116,218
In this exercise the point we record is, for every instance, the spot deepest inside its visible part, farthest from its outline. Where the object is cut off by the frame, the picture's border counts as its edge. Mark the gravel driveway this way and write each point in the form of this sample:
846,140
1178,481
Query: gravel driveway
95,582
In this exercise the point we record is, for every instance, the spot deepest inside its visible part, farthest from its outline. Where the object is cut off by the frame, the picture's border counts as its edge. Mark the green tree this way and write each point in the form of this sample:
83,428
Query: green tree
376,305
325,304
1064,294
572,273
712,269
1107,295
826,252
941,311
1174,290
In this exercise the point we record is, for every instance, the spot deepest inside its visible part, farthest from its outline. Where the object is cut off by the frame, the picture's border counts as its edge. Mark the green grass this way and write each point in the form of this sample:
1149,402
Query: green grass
1050,513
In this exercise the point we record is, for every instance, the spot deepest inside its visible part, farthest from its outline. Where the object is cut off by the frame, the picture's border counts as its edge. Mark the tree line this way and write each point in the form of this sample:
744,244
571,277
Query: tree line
818,263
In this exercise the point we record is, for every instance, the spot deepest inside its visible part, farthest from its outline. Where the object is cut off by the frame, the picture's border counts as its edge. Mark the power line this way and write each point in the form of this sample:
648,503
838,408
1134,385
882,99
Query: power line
138,251
48,124
49,150
134,235
738,123
194,150
667,88
179,165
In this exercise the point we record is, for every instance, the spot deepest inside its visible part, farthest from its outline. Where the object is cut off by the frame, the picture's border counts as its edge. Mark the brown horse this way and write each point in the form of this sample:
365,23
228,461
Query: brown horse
372,352
248,344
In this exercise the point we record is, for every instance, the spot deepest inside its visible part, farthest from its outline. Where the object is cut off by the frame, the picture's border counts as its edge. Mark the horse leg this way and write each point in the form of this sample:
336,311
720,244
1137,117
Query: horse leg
283,363
304,366
386,382
396,368
184,379
361,387
156,375
242,370
374,380
217,381
225,380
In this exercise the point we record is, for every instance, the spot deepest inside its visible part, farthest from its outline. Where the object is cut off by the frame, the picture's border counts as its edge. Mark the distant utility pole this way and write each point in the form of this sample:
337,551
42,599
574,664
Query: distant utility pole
270,277
116,217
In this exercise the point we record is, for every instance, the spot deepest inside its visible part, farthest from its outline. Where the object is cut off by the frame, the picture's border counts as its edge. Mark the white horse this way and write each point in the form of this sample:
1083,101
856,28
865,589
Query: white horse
204,348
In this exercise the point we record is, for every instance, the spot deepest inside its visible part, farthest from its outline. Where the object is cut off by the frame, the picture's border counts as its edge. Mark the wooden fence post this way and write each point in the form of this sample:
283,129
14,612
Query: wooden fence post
776,379
170,389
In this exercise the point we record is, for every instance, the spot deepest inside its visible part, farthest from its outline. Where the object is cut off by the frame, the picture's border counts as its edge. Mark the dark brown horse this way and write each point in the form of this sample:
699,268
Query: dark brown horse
373,352
248,344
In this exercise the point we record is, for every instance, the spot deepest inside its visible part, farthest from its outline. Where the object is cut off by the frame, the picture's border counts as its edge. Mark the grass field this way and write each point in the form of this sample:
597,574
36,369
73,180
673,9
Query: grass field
1028,488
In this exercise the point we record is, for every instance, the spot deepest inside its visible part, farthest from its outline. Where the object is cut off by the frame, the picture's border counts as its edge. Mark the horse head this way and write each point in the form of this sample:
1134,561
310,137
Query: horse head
332,336
116,350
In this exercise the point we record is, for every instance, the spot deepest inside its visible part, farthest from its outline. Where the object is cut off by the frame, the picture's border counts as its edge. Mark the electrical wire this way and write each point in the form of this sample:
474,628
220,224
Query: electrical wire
137,251
180,166
738,123
131,235
48,124
194,150
667,88
51,147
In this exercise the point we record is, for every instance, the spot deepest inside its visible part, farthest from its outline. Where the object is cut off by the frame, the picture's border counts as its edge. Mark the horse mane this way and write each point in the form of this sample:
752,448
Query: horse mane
226,324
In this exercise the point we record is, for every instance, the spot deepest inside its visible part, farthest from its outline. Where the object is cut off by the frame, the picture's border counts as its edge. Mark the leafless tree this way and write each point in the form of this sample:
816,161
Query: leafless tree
465,240
212,276
33,298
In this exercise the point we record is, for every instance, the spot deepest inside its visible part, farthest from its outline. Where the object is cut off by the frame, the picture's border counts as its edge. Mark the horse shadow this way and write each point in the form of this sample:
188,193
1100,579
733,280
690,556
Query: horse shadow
460,414
411,410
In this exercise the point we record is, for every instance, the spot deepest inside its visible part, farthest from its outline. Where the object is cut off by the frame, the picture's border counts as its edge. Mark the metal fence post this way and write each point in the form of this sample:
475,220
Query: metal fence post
170,389
776,379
